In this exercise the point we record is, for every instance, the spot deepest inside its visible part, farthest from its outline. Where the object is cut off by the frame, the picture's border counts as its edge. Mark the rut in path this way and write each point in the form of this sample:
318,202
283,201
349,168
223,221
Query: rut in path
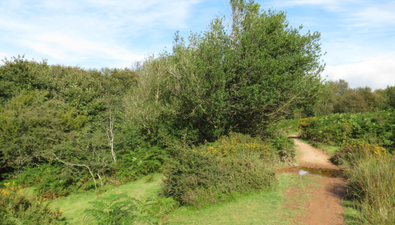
324,207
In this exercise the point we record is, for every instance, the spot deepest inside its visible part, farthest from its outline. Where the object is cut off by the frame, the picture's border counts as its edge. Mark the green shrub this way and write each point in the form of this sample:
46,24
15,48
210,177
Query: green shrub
16,208
140,162
211,173
285,148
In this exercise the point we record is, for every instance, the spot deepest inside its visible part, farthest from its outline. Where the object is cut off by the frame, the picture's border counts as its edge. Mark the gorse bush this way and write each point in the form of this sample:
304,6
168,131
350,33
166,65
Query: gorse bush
16,208
202,176
355,150
236,145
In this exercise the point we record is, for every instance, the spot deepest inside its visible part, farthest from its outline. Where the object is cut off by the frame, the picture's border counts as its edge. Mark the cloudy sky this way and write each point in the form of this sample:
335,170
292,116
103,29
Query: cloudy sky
358,35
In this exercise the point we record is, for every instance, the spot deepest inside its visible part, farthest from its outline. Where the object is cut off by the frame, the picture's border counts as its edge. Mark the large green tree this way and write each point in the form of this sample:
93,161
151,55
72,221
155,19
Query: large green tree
242,77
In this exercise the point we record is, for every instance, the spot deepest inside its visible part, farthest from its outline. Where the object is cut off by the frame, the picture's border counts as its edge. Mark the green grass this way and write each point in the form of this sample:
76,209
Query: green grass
74,205
257,208
351,214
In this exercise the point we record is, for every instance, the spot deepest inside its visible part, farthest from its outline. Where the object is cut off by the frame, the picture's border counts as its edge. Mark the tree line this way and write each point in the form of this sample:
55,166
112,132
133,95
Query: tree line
340,98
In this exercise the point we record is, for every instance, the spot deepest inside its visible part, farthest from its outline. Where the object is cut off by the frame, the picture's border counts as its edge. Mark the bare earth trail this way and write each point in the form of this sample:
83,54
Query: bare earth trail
324,202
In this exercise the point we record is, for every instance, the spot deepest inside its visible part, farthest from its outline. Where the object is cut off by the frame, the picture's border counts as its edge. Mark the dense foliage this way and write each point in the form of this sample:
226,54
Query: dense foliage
243,78
375,128
61,124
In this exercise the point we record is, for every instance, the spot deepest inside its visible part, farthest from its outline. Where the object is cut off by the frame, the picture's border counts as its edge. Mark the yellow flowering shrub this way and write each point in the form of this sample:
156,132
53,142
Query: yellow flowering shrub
369,148
235,145
361,148
15,206
305,122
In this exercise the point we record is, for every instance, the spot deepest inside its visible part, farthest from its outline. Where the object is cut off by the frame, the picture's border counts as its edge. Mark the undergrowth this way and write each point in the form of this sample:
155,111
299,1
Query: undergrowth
121,209
16,208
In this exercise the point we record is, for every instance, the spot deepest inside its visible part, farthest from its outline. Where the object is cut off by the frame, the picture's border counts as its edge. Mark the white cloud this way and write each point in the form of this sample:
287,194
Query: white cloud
3,55
375,72
114,32
45,49
332,5
374,16
62,47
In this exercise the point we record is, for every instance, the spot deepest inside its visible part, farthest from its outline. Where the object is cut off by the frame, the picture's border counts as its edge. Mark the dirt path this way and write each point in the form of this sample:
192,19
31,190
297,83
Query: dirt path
324,204
312,157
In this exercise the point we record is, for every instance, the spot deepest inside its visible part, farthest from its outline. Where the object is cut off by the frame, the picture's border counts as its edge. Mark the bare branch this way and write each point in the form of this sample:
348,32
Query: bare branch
79,165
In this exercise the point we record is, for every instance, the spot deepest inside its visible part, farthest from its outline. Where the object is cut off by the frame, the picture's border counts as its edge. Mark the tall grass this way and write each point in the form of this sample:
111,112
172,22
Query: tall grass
371,187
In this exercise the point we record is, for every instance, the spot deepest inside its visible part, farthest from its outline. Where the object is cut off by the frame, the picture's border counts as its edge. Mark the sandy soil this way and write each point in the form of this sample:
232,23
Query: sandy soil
312,157
324,204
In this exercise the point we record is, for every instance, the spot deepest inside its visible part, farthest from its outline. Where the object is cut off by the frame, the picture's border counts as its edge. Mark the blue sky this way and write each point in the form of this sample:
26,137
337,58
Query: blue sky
358,36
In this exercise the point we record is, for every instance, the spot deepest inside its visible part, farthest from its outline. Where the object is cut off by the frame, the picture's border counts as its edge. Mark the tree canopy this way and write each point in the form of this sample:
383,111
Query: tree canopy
242,77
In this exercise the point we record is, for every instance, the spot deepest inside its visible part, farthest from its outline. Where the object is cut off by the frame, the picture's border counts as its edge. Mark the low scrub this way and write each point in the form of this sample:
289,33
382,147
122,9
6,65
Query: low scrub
211,173
354,151
16,208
